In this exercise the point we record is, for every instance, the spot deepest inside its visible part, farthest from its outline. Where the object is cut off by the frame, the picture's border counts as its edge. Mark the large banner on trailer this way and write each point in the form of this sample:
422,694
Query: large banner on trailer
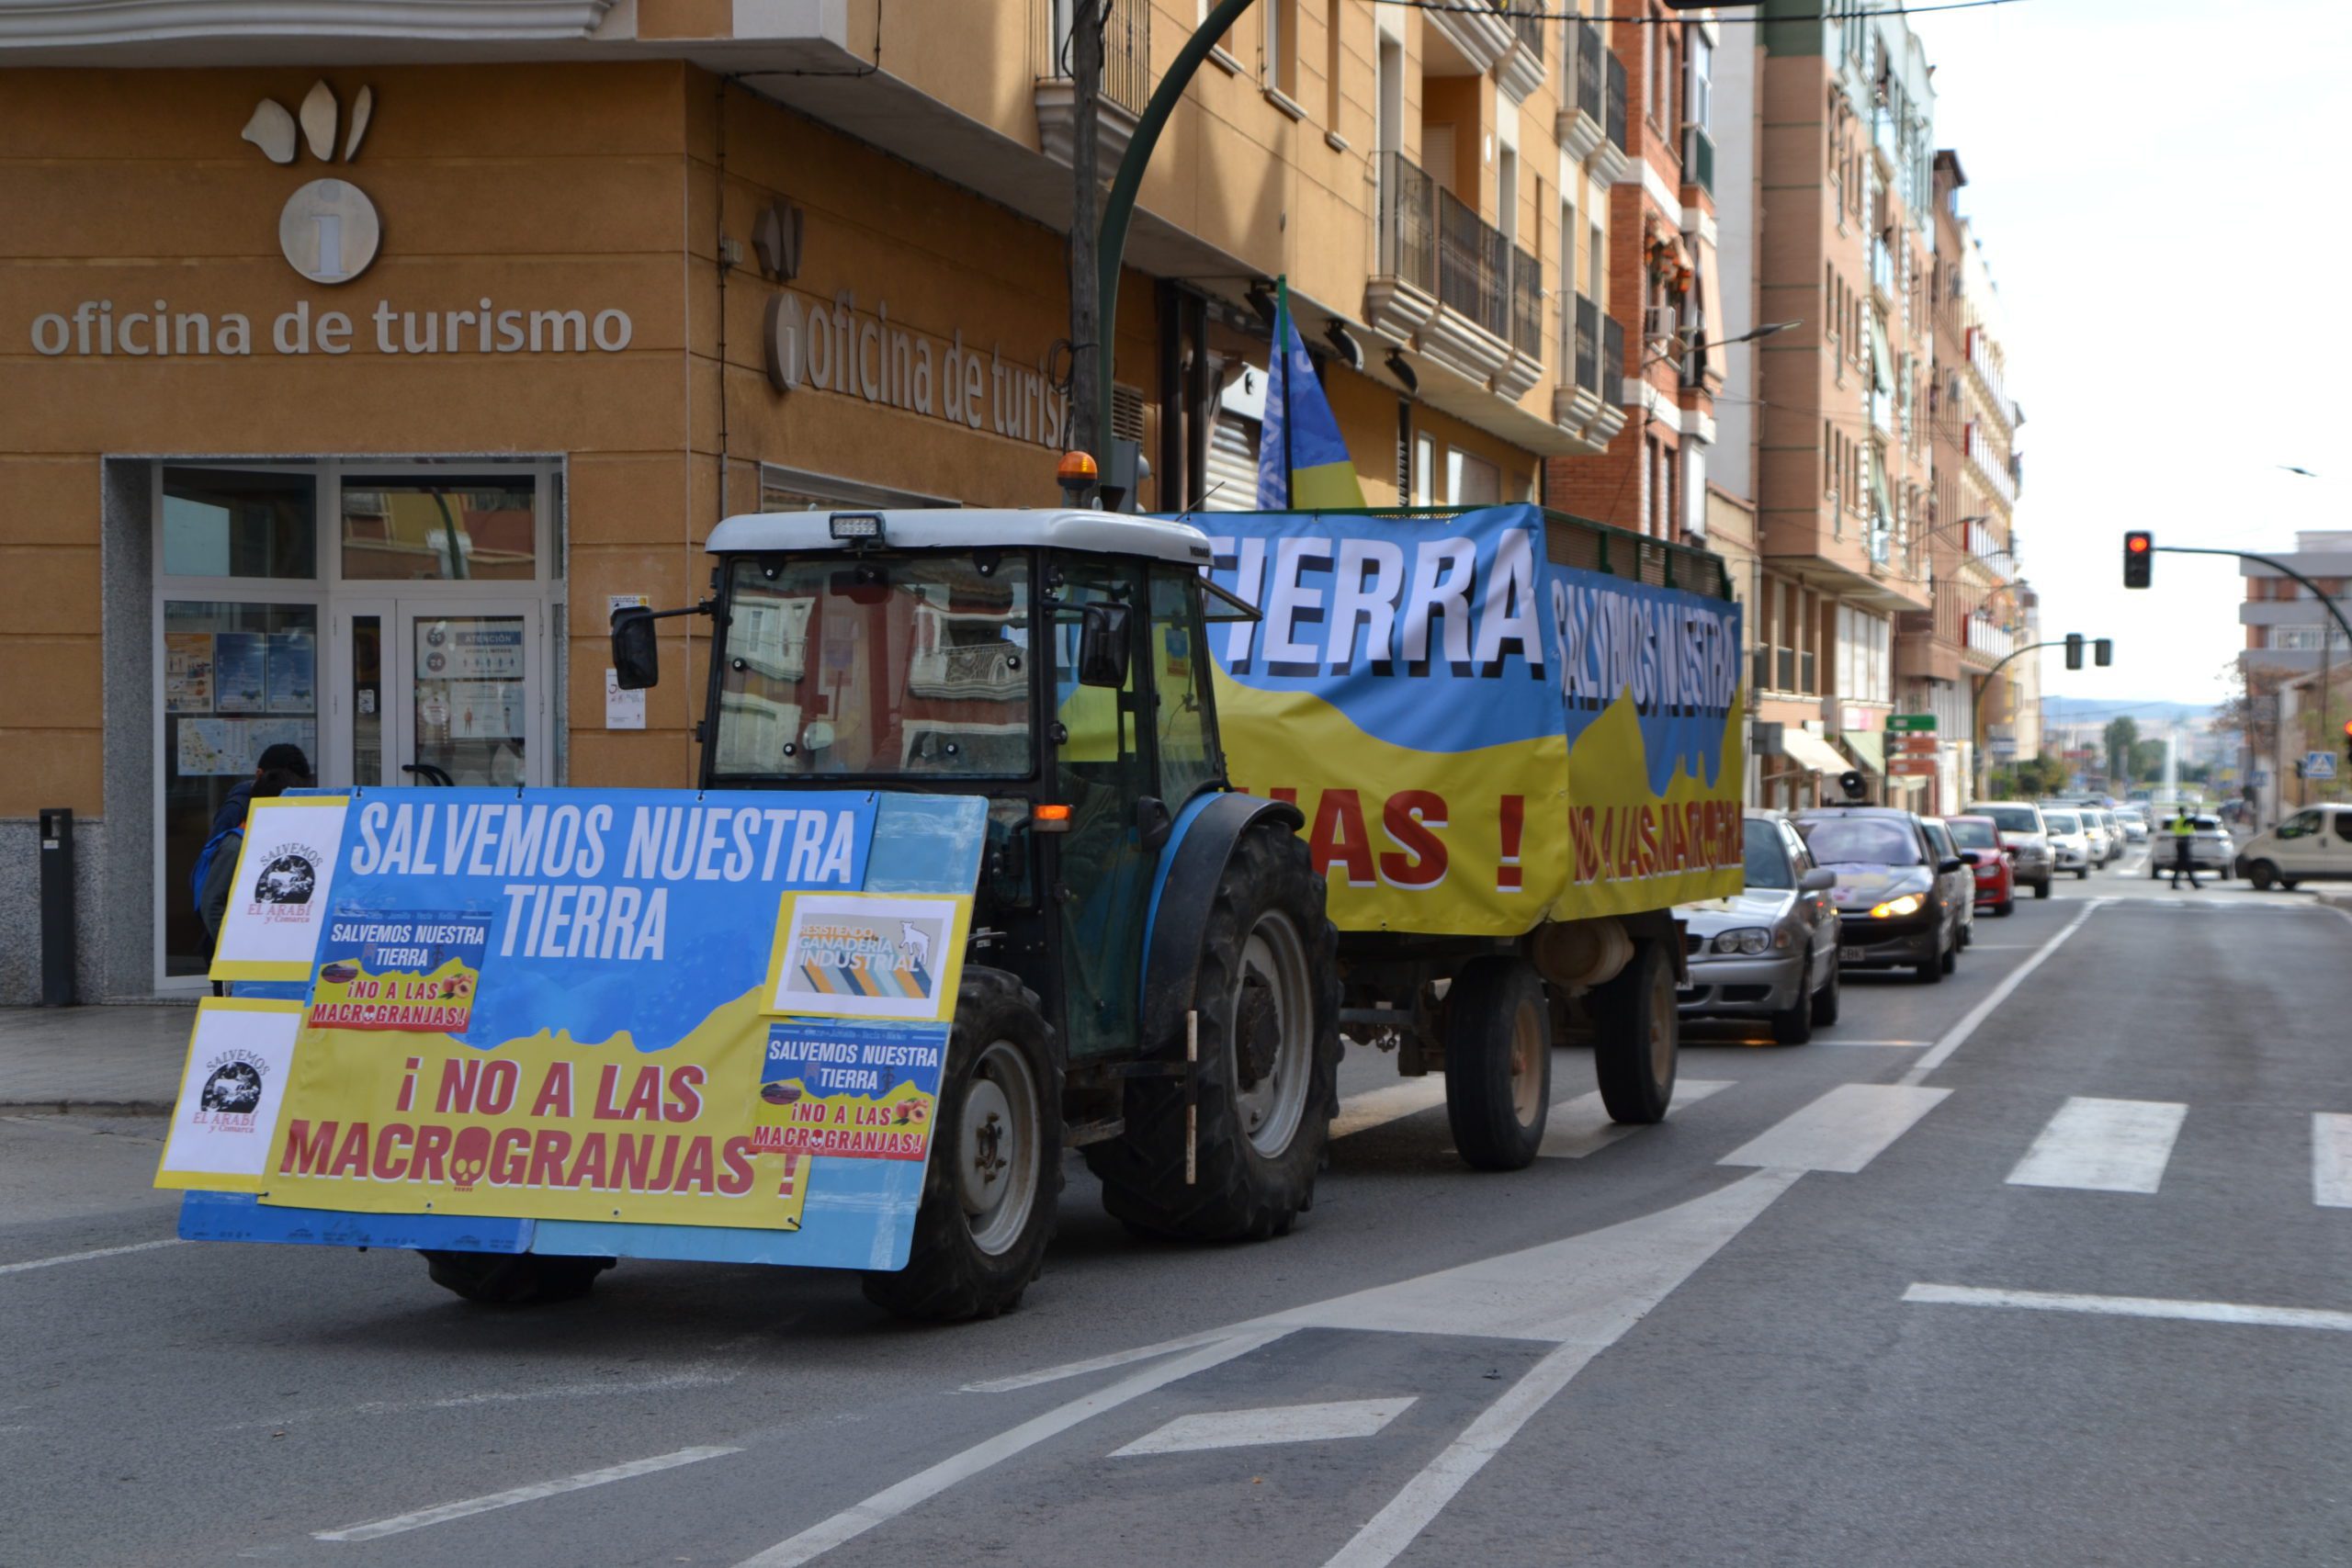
583,1004
1481,738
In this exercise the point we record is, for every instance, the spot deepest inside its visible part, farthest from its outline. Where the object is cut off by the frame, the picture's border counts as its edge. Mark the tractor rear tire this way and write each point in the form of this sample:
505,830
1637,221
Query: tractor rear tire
514,1279
1637,1036
1267,1084
1497,1063
977,1245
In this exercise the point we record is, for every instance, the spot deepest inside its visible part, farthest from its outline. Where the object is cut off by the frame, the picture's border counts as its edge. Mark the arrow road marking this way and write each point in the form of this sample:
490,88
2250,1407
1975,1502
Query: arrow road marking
1273,1424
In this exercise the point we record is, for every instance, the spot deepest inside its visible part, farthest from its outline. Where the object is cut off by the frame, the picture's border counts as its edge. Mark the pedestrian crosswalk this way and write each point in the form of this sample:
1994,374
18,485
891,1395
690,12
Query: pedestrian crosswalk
2087,1144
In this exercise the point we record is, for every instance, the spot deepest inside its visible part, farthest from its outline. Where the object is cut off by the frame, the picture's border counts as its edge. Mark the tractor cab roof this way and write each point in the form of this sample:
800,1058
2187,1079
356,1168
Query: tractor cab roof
949,529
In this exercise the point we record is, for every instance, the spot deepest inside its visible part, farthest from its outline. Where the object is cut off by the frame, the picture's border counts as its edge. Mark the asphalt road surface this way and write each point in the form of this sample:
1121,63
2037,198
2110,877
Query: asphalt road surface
2051,1263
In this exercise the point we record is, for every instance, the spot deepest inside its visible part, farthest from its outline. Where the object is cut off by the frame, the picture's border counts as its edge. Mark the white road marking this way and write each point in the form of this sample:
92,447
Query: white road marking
1097,1363
87,1256
1273,1424
1607,1283
1378,1106
2134,1306
2103,1146
532,1494
668,1384
1957,1035
2332,1159
1890,1045
1843,1130
892,1501
1578,1127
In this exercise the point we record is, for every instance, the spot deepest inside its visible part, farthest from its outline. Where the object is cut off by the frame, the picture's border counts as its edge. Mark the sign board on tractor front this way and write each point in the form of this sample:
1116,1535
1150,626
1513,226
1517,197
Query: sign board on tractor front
605,1022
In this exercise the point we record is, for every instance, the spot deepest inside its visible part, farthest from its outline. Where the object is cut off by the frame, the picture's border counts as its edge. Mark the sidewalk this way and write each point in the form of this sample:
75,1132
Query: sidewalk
93,1058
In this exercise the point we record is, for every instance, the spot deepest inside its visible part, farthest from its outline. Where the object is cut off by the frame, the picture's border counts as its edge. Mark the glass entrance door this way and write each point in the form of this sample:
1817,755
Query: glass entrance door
442,692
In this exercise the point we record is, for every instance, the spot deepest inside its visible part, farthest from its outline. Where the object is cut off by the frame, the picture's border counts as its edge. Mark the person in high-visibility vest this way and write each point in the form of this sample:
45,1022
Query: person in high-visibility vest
2184,842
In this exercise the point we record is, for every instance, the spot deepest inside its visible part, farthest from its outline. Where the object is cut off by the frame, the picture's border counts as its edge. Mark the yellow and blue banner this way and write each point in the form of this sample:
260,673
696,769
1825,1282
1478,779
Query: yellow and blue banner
1301,461
565,1018
1481,739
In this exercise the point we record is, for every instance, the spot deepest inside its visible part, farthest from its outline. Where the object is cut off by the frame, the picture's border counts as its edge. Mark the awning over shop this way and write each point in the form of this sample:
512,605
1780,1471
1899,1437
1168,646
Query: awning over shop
1868,746
1810,752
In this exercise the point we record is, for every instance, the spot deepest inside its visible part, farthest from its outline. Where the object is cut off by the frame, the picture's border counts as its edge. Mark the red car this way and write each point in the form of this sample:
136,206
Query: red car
1996,880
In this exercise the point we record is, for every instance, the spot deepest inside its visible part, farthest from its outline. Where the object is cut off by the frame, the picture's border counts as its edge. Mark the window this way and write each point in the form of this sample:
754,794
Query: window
1699,93
1424,463
224,523
452,530
1188,764
1282,35
1332,55
1471,481
1766,856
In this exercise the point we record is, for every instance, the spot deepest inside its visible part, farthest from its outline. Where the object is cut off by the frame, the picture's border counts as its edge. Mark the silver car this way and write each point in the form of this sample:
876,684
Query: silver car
2210,848
1772,951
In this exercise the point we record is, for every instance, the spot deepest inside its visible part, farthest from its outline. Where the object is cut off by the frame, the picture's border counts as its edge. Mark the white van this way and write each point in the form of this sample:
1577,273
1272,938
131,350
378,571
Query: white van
2314,844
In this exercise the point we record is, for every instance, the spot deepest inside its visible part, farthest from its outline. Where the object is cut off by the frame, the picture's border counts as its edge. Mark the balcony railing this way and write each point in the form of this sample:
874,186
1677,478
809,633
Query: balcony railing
1408,222
1587,345
1613,356
1698,158
1473,265
1614,120
1127,58
1526,304
1988,637
1988,464
1527,21
1592,93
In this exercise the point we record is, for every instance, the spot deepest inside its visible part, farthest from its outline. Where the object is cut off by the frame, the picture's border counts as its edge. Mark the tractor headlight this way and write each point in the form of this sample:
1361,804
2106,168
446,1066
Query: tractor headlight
1749,940
1894,908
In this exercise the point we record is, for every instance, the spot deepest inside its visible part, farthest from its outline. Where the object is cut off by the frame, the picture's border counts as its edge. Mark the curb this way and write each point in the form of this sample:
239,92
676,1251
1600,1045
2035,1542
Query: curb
70,1106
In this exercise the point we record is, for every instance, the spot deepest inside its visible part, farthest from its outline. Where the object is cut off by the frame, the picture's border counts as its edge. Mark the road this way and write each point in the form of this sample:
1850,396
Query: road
2051,1263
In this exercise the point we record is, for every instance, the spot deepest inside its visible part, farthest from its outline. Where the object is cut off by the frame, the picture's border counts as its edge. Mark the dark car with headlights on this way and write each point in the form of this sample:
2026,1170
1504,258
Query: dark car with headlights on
1771,951
1896,905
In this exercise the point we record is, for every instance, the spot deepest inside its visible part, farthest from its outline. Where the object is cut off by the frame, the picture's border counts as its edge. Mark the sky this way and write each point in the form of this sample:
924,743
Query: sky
2151,181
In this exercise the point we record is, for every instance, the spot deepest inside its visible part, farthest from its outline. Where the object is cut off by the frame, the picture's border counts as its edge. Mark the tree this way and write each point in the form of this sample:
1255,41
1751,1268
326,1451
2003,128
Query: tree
2147,758
2123,734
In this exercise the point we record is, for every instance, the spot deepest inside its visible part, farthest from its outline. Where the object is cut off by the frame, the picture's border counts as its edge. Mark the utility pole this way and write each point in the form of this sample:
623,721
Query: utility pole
1082,432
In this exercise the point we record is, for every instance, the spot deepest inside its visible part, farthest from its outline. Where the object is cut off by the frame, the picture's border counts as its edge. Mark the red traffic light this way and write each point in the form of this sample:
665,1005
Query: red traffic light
2136,543
2139,548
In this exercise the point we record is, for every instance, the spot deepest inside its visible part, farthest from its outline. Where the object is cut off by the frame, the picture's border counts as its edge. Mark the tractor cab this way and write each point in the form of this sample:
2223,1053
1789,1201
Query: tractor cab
1050,661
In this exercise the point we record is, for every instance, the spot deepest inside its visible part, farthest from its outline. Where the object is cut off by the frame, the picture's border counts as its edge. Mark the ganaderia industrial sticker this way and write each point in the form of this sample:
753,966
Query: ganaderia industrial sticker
1480,738
555,1004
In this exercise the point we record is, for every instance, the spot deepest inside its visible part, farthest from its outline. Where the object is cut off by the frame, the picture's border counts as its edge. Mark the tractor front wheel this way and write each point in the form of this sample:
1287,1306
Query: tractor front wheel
1267,1082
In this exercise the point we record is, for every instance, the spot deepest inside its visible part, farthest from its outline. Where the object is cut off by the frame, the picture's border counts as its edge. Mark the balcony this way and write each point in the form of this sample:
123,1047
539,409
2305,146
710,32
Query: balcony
1585,403
1613,120
1882,271
1698,158
1401,296
1470,332
1519,377
1586,105
1989,465
1481,37
1522,71
1126,88
1988,639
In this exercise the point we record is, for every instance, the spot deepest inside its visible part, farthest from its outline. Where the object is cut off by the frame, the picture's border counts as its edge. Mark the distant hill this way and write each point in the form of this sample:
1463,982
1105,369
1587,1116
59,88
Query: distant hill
2072,710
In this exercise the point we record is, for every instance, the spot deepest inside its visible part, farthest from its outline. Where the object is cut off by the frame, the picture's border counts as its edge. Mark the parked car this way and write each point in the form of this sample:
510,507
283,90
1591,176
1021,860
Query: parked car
2069,849
1997,877
1772,951
1961,881
2211,846
1895,905
2022,832
2314,845
2135,825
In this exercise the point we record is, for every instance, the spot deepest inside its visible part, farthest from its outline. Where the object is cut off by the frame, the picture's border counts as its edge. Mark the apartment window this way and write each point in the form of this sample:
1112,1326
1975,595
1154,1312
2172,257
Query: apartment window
1281,68
1597,275
1700,92
1424,460
1506,195
1332,55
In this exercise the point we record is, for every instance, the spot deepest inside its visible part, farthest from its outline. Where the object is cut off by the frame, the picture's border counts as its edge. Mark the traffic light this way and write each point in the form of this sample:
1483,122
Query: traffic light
2139,555
2074,650
2103,651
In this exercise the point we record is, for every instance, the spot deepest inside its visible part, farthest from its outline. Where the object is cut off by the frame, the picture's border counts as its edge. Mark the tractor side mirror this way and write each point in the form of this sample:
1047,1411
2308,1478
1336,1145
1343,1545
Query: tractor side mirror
1103,647
637,660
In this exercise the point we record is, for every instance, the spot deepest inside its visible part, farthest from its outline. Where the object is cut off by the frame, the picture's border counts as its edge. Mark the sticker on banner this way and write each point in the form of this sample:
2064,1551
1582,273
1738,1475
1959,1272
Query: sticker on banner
851,955
232,1087
278,903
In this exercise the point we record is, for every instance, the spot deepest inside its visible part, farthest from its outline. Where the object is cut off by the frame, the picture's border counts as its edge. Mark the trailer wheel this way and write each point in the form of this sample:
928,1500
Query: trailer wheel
1267,1085
1636,1037
514,1279
996,1162
1497,1063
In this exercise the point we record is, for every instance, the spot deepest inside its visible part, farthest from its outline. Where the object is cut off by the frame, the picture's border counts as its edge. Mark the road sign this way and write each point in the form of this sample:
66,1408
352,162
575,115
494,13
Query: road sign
1911,767
1911,745
1911,721
2319,764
